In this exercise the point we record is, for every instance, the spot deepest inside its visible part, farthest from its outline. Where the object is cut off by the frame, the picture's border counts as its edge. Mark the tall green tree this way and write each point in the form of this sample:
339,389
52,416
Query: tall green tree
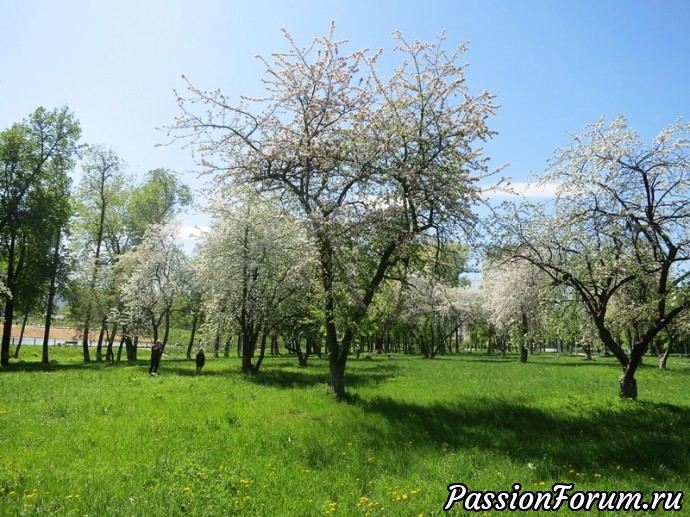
101,193
371,166
157,200
114,214
35,157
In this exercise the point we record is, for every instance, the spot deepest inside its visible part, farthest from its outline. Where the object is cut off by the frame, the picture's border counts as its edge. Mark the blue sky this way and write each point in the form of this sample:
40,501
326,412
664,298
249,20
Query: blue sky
554,65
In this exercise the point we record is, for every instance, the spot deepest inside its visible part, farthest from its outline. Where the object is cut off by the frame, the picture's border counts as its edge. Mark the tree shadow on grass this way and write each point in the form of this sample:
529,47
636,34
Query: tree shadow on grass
539,358
37,366
487,359
578,362
318,375
635,436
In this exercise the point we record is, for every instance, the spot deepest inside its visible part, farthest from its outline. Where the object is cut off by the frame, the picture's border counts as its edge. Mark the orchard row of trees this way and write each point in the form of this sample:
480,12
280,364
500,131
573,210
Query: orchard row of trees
88,243
383,177
345,212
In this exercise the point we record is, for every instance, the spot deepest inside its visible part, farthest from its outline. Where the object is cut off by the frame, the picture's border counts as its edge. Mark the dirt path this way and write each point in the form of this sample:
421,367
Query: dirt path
60,333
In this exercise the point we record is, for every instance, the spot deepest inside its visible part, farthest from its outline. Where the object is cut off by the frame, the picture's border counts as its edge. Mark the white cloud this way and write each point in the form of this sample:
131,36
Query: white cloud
521,189
192,232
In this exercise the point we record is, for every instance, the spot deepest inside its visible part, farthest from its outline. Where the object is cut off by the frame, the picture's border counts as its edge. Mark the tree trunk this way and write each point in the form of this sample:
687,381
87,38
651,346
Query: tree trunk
293,344
166,328
195,320
85,340
9,306
119,349
523,354
109,355
7,332
92,284
525,330
262,353
99,345
336,363
131,348
21,334
249,340
337,358
154,328
628,385
51,298
663,358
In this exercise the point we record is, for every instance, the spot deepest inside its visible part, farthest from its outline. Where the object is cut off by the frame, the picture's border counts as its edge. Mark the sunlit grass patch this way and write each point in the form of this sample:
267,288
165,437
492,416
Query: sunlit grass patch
101,439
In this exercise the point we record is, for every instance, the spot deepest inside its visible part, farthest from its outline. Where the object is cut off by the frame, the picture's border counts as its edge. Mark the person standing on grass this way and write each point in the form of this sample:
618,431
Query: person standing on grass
200,360
156,354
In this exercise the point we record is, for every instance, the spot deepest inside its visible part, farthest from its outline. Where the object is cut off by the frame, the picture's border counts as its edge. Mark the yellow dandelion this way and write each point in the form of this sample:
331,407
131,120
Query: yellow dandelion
186,489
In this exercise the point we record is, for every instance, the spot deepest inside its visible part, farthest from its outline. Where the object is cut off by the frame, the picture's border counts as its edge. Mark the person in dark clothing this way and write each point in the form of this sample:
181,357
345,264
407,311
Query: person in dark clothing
156,354
200,360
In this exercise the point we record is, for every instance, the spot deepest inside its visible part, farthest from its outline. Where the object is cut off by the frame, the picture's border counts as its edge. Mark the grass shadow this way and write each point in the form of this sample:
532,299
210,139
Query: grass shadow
636,436
19,365
316,375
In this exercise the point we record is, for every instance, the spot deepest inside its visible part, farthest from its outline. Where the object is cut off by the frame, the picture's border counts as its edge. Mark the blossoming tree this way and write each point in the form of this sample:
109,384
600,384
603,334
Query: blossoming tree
619,225
155,274
370,166
251,265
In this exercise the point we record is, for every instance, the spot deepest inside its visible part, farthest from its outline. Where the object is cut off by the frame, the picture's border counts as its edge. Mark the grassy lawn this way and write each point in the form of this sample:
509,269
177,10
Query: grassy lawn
110,440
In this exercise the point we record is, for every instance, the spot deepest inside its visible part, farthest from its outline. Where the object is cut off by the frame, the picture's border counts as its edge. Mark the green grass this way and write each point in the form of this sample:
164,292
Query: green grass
110,440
